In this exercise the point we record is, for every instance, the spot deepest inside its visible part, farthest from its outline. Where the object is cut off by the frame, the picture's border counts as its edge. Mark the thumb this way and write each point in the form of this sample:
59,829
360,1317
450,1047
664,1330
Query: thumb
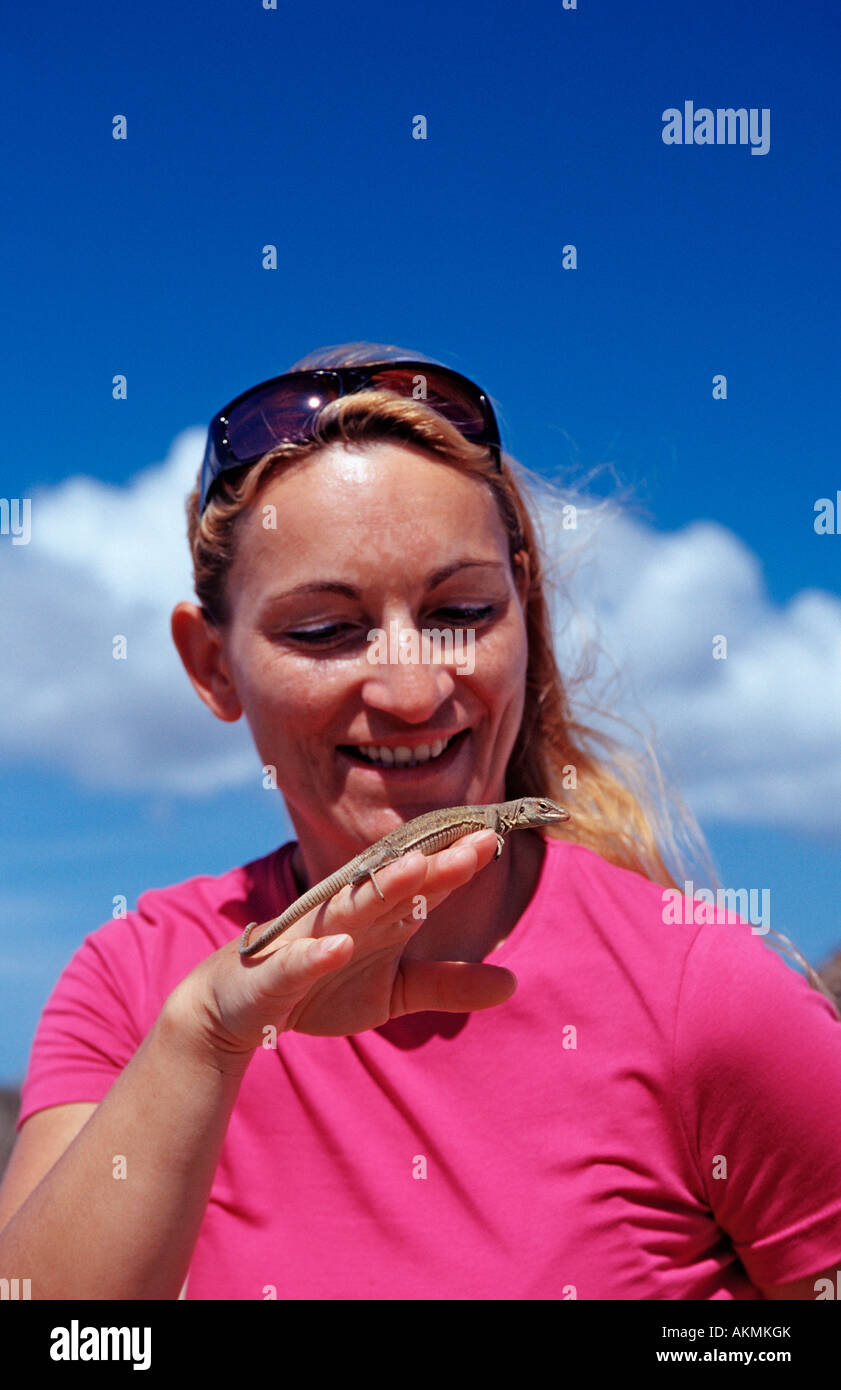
449,986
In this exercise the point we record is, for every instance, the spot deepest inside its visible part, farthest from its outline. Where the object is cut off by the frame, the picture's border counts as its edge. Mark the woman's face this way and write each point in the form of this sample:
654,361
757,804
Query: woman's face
365,538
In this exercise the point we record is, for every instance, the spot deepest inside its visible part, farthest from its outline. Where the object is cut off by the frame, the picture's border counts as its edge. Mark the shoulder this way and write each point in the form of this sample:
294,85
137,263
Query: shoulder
215,906
757,1075
140,957
113,987
584,873
612,913
199,914
750,1053
702,962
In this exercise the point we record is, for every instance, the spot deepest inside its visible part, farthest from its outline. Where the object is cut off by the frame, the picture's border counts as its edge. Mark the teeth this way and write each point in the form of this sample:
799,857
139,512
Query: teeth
403,756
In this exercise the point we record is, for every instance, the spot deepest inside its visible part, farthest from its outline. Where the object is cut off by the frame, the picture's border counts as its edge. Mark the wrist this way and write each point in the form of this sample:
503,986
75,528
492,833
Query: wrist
188,1027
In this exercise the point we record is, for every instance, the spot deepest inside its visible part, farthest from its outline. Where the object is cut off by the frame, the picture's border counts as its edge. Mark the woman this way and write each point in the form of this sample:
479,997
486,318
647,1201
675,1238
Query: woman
376,1105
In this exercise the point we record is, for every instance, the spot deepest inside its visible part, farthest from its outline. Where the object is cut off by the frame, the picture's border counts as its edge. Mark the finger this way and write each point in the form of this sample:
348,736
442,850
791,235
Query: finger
353,906
443,872
303,961
449,986
446,869
360,905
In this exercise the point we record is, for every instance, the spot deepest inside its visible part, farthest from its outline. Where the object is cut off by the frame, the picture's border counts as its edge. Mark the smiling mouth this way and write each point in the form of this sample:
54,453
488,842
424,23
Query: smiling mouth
378,755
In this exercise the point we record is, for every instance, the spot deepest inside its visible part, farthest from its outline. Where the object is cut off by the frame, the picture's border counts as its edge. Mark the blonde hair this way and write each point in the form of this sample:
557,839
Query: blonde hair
605,785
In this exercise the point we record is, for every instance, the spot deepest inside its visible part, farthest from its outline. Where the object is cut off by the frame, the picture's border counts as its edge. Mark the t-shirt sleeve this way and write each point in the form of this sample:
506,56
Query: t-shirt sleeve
91,1025
758,1076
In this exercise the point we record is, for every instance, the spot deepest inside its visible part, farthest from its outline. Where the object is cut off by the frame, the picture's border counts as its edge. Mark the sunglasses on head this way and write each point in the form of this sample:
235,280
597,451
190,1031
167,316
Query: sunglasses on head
282,410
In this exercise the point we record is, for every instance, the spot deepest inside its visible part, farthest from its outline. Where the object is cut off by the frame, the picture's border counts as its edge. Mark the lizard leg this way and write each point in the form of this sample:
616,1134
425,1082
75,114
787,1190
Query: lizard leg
361,875
500,841
370,874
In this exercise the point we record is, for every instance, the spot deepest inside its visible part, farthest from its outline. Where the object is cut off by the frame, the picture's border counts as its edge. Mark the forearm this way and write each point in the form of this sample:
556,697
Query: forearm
87,1232
119,1214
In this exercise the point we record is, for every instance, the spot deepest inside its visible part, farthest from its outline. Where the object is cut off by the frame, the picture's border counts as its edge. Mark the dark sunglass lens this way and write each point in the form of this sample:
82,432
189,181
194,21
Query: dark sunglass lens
275,415
455,402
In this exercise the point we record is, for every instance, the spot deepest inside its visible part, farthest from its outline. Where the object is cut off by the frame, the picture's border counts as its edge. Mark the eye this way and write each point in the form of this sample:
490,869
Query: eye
315,636
468,616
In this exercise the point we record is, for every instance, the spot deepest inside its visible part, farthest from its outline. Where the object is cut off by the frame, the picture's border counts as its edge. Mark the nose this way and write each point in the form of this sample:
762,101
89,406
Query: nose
404,680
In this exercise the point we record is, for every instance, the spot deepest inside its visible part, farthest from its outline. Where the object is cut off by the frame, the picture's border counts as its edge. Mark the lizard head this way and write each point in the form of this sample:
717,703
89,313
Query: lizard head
539,810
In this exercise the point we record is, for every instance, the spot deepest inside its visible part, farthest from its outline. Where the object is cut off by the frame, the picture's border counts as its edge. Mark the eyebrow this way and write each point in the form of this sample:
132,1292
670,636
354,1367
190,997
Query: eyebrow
335,586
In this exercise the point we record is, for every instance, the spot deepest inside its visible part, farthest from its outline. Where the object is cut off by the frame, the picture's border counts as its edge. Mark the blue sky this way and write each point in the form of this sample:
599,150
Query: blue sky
293,127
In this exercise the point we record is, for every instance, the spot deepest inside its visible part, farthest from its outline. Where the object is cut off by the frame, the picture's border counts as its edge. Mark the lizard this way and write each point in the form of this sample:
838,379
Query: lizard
428,833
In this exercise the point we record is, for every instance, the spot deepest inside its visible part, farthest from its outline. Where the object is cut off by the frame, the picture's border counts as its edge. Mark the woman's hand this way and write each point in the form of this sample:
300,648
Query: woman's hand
341,969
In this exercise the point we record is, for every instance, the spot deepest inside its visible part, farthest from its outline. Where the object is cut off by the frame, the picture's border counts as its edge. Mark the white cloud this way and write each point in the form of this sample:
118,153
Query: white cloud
753,738
103,561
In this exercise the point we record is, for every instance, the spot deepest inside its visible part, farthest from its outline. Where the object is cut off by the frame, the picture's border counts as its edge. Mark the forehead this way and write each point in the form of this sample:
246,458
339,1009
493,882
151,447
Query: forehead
368,505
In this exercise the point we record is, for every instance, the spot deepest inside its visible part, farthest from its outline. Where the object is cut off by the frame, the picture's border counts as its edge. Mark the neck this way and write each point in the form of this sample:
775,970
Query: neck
474,920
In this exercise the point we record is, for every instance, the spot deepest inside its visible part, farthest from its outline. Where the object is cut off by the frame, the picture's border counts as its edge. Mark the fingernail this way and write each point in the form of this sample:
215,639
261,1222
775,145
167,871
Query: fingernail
332,943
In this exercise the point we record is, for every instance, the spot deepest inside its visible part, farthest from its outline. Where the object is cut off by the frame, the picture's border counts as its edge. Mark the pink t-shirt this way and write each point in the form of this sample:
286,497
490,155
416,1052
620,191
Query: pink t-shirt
655,1114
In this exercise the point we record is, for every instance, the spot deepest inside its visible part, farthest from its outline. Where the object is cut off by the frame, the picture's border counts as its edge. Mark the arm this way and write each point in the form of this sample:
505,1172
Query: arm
167,1114
40,1144
758,1077
77,1231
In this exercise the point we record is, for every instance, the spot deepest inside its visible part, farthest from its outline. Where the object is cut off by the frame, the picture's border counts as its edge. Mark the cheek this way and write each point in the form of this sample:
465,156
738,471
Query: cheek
285,697
500,673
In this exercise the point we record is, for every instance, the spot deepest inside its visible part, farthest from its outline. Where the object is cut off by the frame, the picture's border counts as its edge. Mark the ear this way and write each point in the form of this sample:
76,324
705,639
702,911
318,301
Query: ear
200,646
